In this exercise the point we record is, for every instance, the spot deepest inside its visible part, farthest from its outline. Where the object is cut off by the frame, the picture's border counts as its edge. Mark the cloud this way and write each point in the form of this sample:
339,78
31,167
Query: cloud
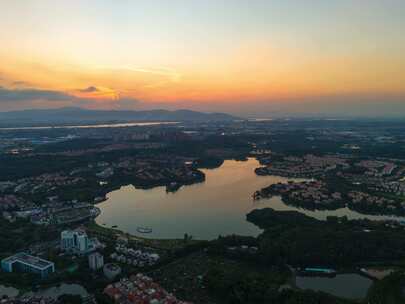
18,98
143,77
96,93
20,83
89,89
168,73
11,95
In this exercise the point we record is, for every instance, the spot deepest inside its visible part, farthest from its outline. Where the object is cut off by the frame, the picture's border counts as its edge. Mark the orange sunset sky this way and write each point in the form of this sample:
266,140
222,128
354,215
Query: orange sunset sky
245,57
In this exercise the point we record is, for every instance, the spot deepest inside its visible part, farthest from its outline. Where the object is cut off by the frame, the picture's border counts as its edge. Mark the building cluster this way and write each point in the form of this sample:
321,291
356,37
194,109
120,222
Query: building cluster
14,202
128,133
156,170
395,187
133,257
72,214
147,170
77,242
313,192
316,194
182,174
108,148
307,166
377,168
140,289
71,242
51,211
44,215
393,183
380,177
358,197
41,183
326,161
159,169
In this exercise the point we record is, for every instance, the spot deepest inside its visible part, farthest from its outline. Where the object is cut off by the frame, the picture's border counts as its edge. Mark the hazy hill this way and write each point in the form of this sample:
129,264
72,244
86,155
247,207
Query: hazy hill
77,115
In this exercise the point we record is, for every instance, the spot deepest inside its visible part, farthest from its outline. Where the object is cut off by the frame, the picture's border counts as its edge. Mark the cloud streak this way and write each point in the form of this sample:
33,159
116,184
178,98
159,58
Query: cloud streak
90,89
162,75
17,98
12,95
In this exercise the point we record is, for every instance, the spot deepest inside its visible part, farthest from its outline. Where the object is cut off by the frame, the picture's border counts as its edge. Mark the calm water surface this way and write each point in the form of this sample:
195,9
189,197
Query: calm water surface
350,286
52,292
56,291
8,291
215,207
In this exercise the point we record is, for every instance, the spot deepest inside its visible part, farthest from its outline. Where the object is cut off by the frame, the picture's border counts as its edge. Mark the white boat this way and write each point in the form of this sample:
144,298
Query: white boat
144,230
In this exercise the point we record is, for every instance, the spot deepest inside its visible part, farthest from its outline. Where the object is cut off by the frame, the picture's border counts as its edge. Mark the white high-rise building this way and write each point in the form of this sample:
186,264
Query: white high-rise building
75,241
67,240
96,261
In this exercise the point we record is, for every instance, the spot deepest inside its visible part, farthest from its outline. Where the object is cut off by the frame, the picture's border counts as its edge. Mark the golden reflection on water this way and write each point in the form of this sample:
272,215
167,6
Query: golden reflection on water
215,207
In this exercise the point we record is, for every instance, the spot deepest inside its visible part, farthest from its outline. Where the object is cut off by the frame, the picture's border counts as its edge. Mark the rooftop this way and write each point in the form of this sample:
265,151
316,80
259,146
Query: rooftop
111,267
28,259
96,254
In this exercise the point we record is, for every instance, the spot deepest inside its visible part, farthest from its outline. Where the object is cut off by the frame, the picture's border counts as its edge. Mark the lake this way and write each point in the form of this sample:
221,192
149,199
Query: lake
62,289
8,291
349,286
52,292
215,207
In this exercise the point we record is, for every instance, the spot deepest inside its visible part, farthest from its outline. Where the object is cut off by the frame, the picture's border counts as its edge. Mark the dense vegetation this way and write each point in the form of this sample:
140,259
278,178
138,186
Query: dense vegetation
18,235
234,286
390,290
293,238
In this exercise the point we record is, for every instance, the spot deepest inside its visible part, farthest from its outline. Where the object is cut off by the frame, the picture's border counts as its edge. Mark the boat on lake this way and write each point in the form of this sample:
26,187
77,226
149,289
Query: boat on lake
144,230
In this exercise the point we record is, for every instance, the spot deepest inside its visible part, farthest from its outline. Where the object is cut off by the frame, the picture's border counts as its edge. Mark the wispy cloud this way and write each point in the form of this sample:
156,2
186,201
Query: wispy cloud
21,84
161,75
173,75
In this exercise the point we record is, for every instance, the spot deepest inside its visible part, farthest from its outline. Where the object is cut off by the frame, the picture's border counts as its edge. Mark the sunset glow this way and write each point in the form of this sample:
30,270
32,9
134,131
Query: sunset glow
198,54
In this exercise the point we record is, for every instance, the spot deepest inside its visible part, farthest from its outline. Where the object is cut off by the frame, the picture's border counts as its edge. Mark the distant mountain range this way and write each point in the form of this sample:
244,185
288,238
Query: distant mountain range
77,115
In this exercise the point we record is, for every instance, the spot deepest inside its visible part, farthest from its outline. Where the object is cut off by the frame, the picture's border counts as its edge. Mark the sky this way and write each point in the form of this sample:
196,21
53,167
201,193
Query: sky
251,58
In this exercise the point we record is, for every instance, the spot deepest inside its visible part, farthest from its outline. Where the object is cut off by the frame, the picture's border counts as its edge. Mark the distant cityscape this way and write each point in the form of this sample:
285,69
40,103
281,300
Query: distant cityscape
55,184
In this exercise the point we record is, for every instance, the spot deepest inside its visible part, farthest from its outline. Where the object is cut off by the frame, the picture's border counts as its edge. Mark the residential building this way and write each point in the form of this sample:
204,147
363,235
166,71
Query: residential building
111,270
96,261
75,241
22,262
